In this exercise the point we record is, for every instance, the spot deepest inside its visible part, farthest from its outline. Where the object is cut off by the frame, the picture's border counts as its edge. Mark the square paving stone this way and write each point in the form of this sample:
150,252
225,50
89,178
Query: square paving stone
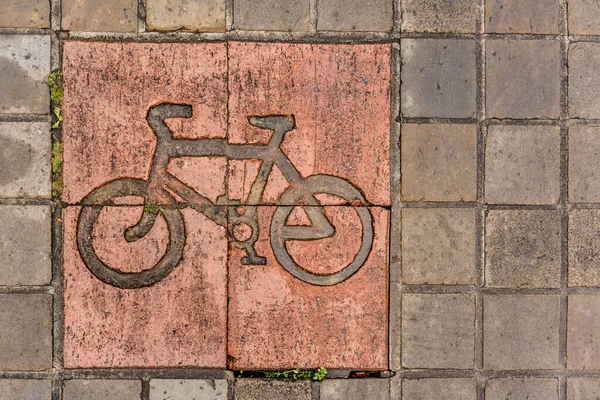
25,65
439,389
355,389
584,163
95,16
342,120
584,17
438,331
584,81
196,389
521,332
438,78
522,164
459,16
186,15
584,248
517,16
26,338
583,323
354,15
25,389
522,78
439,162
438,246
583,388
522,388
522,248
25,14
259,389
271,15
25,154
25,245
102,389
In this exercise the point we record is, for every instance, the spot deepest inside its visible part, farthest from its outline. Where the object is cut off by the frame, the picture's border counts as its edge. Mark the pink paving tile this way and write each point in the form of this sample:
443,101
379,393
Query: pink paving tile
339,96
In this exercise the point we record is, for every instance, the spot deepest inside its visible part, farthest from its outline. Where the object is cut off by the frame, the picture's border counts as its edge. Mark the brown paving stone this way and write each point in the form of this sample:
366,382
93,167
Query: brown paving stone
186,15
271,15
25,14
342,119
458,16
259,389
277,321
439,162
583,388
583,323
354,15
522,78
518,16
521,388
584,164
95,16
584,248
439,389
584,17
584,81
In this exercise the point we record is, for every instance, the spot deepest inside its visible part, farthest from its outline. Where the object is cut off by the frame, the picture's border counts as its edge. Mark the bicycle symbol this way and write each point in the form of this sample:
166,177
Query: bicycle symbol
161,187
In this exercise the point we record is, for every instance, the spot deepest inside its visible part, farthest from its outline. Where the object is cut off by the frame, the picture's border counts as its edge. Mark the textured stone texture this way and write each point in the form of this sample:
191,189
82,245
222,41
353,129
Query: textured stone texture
439,162
355,389
521,331
271,15
90,389
438,78
354,15
25,389
104,16
584,81
438,331
583,323
583,388
459,16
522,164
25,153
584,17
25,14
522,248
258,389
25,245
26,332
187,15
517,16
25,65
584,164
439,389
522,78
438,246
522,388
171,389
584,248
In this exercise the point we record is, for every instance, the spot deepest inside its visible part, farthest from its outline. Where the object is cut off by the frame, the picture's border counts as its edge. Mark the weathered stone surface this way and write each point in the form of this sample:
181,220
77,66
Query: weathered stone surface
95,16
584,164
584,17
521,331
517,16
25,245
522,248
259,389
584,81
584,248
583,323
438,78
522,388
355,389
439,389
96,389
197,389
25,389
25,153
583,388
522,78
459,16
438,246
187,15
438,331
26,332
25,14
439,162
25,65
354,15
271,15
522,164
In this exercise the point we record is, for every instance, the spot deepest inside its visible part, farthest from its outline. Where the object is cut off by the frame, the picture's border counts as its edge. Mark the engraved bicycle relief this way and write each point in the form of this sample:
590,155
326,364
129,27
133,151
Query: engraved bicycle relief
168,195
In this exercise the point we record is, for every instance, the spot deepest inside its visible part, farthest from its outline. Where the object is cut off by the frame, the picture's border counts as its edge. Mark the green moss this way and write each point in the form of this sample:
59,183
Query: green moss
57,162
151,208
316,375
55,82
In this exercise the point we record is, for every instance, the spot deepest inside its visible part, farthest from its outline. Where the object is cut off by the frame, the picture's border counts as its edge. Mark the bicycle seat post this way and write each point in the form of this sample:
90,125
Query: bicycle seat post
280,124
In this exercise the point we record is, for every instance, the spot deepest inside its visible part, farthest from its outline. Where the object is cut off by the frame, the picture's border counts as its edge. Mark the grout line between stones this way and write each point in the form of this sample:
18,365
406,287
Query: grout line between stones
313,15
141,15
229,15
145,395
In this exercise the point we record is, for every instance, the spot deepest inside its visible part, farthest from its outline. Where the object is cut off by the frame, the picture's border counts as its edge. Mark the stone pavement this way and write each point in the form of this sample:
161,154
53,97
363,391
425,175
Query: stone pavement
201,196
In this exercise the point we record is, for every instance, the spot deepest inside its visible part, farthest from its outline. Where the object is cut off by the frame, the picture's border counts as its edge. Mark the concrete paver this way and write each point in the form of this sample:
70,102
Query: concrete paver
25,389
514,16
439,389
522,388
102,389
439,16
197,389
107,16
584,259
583,346
270,15
25,14
584,148
584,61
582,388
354,15
257,389
187,15
355,389
584,17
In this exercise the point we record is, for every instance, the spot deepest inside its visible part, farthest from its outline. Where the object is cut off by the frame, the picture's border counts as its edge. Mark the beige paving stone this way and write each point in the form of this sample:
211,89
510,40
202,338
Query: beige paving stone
584,17
583,324
272,15
583,388
584,164
439,389
102,389
458,16
25,389
259,389
521,388
196,389
100,16
354,15
584,80
24,14
355,389
186,15
584,248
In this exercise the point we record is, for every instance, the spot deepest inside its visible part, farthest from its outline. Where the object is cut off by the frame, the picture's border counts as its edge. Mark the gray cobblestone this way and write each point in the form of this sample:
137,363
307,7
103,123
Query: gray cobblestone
354,15
25,389
458,16
439,389
355,389
522,388
517,16
259,389
272,15
172,389
102,389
